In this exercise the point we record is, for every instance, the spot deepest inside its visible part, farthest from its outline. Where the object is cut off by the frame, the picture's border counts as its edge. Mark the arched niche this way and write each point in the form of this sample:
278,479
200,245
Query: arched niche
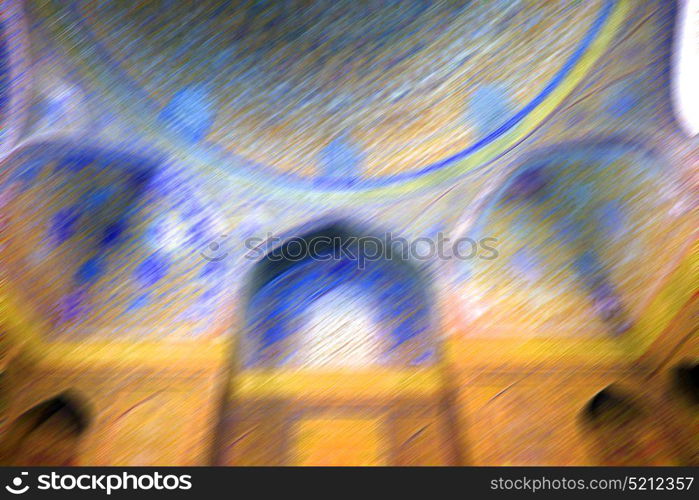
339,332
48,433
337,296
586,232
633,428
103,241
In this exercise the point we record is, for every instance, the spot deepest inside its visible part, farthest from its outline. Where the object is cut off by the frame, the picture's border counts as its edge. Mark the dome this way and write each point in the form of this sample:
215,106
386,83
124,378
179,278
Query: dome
320,95
108,243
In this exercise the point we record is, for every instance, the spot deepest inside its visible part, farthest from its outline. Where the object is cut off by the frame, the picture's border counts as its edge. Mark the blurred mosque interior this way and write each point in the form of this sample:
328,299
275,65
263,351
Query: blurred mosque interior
168,168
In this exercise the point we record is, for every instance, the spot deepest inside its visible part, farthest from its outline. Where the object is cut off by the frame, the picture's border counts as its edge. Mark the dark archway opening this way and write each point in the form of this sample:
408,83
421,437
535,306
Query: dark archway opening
47,434
338,265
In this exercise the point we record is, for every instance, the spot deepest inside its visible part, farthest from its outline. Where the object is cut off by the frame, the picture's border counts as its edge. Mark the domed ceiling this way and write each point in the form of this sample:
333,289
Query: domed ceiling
264,116
335,95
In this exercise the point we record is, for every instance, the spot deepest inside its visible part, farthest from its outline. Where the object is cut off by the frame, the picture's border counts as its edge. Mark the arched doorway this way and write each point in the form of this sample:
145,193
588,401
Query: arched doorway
339,362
